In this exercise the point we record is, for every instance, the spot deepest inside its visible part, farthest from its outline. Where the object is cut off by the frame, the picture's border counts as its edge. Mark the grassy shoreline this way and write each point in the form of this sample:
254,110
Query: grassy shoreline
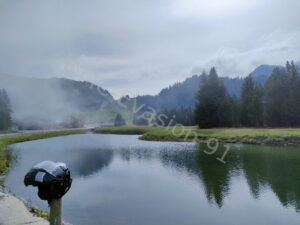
281,136
5,158
6,141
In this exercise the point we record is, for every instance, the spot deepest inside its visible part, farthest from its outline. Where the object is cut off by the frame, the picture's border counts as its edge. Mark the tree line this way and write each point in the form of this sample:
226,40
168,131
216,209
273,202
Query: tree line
275,104
164,117
5,111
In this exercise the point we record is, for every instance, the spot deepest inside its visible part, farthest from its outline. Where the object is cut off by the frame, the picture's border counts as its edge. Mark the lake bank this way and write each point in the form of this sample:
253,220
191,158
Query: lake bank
282,136
14,210
6,141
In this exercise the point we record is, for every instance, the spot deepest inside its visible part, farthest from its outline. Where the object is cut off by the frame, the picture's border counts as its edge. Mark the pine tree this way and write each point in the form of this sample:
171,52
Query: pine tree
283,97
5,111
251,104
288,67
277,89
293,99
235,111
119,120
213,107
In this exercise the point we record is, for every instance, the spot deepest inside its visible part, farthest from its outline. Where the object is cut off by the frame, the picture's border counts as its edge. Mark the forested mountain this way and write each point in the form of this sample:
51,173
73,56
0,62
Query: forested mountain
40,103
282,97
183,94
84,95
262,73
275,104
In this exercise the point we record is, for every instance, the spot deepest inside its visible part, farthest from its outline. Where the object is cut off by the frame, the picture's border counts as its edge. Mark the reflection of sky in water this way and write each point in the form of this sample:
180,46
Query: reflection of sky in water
119,179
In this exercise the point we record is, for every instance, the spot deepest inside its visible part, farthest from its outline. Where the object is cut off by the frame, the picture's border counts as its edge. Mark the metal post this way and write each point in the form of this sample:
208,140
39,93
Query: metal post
55,212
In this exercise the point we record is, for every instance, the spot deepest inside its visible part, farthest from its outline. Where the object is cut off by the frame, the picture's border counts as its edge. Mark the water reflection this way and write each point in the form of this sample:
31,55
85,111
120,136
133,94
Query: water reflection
85,162
122,180
215,176
277,168
263,166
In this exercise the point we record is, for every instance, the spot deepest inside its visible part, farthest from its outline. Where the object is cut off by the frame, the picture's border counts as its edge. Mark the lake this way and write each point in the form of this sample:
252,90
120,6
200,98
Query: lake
120,180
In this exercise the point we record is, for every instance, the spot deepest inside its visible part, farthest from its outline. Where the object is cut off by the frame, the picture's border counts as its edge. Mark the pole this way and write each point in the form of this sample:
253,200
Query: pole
55,212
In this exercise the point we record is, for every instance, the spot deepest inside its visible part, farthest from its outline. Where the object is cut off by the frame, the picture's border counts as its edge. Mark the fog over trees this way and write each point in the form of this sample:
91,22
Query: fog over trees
214,107
276,104
5,111
206,100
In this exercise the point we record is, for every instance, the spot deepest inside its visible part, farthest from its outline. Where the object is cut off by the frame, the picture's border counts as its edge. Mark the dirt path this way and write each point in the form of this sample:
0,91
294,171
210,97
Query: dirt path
14,212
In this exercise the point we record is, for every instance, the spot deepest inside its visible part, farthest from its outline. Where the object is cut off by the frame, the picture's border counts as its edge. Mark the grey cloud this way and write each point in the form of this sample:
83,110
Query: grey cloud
145,45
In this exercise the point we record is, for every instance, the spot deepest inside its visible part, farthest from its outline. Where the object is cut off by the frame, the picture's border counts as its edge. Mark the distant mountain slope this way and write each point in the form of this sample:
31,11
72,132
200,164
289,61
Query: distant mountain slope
262,73
179,94
53,101
84,95
184,94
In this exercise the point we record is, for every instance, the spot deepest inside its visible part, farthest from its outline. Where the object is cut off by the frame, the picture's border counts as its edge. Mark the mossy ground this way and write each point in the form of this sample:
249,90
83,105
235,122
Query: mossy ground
40,213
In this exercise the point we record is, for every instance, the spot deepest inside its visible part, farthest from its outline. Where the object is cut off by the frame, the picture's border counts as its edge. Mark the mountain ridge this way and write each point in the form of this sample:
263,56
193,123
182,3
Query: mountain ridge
52,100
183,94
55,100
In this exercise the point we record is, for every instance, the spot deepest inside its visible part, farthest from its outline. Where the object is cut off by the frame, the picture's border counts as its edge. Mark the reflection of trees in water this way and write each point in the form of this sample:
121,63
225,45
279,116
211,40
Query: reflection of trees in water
215,175
136,153
88,161
183,160
263,166
13,157
275,167
255,163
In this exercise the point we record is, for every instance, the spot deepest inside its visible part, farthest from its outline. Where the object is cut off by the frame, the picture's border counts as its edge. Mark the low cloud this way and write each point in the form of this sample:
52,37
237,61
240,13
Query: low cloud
274,49
142,46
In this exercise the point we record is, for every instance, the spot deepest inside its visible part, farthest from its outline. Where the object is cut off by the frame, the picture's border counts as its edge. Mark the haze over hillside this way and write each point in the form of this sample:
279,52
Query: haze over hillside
44,103
54,102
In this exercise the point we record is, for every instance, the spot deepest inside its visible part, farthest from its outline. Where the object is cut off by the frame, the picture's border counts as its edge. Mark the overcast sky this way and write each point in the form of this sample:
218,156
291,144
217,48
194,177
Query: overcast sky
141,46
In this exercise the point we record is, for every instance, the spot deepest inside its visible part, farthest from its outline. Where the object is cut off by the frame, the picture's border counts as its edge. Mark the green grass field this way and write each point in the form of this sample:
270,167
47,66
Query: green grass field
7,132
191,133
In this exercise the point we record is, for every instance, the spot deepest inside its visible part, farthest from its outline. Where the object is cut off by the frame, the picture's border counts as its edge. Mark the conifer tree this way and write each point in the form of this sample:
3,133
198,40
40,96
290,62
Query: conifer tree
213,107
251,104
5,111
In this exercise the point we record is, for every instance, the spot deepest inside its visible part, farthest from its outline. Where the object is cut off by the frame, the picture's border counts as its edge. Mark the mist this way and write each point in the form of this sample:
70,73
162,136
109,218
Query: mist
36,103
55,103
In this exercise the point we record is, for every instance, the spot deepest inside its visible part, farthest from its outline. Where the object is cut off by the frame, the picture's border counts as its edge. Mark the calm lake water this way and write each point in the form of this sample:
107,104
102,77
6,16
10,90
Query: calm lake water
120,180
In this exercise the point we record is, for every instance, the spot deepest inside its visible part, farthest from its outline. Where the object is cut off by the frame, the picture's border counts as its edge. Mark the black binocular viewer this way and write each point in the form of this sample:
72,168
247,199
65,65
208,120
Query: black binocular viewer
53,179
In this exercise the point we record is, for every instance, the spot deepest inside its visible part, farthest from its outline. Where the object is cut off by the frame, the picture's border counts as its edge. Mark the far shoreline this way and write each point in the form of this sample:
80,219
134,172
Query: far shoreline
256,136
